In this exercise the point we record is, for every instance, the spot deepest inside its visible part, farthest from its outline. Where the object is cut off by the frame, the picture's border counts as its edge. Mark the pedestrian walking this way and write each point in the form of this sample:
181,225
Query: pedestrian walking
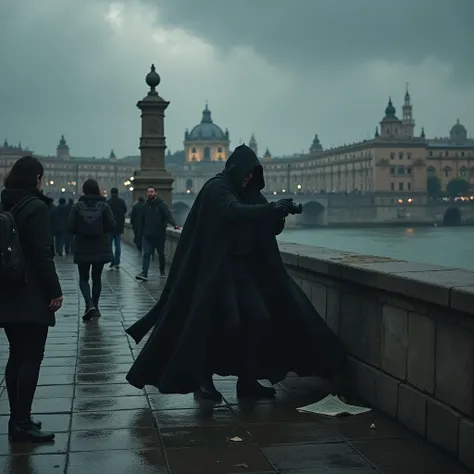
155,217
60,218
91,221
30,292
119,210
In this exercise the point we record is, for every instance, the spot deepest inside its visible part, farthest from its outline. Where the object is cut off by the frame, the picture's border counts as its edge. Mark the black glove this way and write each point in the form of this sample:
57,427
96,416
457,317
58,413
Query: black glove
284,206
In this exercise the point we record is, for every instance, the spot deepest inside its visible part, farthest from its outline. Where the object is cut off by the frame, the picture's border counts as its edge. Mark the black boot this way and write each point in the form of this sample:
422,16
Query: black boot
36,423
208,391
251,388
27,431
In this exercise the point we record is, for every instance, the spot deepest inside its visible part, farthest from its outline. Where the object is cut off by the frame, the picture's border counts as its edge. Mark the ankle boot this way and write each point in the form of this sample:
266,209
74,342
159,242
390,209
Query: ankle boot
27,431
208,391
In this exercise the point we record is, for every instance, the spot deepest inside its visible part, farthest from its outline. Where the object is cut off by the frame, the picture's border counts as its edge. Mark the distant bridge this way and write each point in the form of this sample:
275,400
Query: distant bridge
361,209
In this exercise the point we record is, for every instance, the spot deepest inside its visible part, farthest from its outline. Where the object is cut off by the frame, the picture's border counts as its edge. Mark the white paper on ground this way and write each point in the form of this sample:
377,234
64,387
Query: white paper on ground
332,405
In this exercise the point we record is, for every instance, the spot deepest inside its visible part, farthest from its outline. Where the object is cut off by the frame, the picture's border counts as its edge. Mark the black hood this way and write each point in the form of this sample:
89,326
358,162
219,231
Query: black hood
91,198
242,162
10,197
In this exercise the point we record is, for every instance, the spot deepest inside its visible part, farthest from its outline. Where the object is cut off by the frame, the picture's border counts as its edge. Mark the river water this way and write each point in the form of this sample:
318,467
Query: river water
446,246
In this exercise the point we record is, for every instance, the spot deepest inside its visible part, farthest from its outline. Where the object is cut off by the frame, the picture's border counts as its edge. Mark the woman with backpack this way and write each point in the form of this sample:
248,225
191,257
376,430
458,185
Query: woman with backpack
30,292
91,221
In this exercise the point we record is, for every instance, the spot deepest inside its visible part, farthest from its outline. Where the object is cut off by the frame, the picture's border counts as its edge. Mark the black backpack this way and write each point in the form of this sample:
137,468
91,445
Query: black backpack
12,258
91,219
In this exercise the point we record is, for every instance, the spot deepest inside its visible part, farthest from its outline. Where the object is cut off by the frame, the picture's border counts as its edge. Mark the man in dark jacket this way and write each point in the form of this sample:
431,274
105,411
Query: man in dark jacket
119,209
60,217
155,217
136,222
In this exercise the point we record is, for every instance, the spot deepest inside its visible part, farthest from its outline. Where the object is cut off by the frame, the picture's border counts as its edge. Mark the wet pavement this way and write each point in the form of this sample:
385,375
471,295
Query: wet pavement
102,424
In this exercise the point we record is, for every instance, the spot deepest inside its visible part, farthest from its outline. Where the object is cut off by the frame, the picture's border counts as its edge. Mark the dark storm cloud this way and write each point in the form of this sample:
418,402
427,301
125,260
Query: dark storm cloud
312,34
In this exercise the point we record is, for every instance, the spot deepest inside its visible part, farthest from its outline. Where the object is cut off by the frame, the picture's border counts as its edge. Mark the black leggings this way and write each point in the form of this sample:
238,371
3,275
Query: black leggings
27,341
91,299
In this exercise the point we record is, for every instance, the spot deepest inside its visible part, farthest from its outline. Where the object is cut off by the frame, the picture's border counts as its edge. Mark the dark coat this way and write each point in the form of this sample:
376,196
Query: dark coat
94,249
119,209
60,216
156,215
136,217
28,302
196,324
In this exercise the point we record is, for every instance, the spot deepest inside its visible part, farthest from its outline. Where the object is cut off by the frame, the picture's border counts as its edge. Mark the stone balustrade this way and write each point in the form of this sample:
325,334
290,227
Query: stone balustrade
409,329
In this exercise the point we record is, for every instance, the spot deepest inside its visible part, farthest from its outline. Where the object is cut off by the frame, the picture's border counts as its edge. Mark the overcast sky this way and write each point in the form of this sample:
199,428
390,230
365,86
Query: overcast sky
283,69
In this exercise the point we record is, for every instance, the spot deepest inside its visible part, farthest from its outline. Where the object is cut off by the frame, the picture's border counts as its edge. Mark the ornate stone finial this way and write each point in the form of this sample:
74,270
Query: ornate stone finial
153,80
423,132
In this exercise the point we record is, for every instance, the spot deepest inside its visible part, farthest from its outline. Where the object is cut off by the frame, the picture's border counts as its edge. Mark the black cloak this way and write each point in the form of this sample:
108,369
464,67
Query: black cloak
196,325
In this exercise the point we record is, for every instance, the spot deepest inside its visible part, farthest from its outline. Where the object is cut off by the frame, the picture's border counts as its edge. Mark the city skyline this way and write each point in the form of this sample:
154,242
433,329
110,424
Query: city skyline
303,150
275,81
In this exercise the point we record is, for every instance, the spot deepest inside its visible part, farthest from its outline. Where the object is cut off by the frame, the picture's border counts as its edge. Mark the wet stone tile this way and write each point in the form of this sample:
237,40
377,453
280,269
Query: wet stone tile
405,453
59,446
59,362
110,404
203,416
118,462
159,401
38,464
100,378
359,427
57,423
291,433
109,420
104,359
132,439
51,391
314,457
56,380
109,390
218,460
66,370
203,436
103,368
285,413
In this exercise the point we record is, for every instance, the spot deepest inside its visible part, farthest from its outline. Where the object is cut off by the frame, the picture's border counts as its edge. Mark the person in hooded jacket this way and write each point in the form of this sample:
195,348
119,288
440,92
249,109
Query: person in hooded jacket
136,222
60,218
119,209
69,238
91,221
28,308
229,306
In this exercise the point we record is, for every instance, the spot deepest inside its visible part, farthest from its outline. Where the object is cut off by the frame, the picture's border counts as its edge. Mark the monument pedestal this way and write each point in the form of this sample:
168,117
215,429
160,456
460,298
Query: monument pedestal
153,144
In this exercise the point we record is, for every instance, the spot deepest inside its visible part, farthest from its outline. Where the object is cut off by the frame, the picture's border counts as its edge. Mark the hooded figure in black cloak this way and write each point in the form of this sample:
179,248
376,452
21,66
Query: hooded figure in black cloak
229,307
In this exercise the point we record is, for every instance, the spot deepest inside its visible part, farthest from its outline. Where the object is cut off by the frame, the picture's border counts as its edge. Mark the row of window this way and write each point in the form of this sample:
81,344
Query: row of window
448,171
400,170
401,155
207,149
400,186
454,154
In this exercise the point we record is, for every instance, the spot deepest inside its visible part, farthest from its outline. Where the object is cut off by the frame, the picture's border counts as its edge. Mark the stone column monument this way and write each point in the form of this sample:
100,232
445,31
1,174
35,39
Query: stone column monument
153,144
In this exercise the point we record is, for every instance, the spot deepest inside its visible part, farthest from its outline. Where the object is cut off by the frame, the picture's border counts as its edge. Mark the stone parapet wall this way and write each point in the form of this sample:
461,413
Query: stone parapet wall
409,329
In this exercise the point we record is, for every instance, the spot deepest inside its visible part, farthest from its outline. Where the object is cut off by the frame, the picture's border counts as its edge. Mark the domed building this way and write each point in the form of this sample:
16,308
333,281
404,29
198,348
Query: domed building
458,133
206,142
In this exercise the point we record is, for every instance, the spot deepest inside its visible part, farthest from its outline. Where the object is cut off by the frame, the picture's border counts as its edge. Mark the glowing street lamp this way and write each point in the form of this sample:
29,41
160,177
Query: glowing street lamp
299,187
51,182
130,188
283,190
63,190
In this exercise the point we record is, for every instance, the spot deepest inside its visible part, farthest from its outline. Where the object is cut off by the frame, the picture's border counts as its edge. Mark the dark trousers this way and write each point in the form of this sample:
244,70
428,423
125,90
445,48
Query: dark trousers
27,342
254,316
114,241
59,242
86,271
68,243
150,245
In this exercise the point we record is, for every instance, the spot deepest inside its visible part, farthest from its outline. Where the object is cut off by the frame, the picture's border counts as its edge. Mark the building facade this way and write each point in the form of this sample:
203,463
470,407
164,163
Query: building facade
65,174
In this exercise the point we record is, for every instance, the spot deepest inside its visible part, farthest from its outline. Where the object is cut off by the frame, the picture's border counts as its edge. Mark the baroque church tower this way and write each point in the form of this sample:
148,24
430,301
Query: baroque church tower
408,123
